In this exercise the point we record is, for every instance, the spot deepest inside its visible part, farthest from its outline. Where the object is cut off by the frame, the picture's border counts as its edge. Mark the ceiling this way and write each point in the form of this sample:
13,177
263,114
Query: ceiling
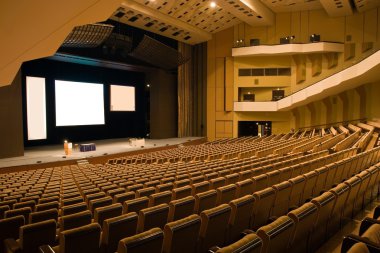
194,21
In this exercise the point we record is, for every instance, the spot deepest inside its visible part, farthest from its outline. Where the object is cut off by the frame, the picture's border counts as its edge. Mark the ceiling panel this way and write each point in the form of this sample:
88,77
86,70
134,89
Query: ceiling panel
364,5
292,5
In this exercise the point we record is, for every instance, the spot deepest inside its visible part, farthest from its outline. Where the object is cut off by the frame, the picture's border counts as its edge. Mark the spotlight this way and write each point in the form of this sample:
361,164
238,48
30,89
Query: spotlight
212,4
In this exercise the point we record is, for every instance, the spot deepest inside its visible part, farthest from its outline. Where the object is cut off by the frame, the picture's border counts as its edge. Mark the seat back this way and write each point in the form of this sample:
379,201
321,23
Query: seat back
241,213
75,220
84,239
276,235
373,234
117,228
47,206
310,180
225,194
75,208
30,203
260,182
43,215
180,235
148,241
214,225
359,247
181,208
181,192
9,228
244,187
3,209
304,218
341,192
135,205
354,184
250,243
281,201
160,198
321,180
106,212
262,207
32,236
145,192
151,217
25,211
298,186
200,187
217,182
204,201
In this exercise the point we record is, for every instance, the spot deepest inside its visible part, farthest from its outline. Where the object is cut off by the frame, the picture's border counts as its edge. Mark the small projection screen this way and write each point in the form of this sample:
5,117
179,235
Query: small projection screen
122,98
79,103
36,108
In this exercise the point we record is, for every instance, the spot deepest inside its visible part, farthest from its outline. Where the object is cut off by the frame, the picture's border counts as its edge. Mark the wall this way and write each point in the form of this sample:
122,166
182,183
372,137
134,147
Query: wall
163,104
11,132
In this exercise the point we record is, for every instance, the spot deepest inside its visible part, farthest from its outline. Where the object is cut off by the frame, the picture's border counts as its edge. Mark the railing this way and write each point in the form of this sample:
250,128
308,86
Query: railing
346,122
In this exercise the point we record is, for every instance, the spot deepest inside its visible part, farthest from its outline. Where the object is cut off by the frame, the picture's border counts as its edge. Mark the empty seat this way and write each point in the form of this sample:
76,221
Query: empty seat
276,235
9,228
25,211
204,201
181,192
250,243
181,208
244,187
85,239
32,236
304,218
298,186
160,198
93,196
122,197
260,182
225,194
47,206
99,202
135,205
354,184
358,247
180,235
241,212
75,220
232,178
281,201
149,241
262,207
214,226
106,212
43,215
117,228
365,177
145,192
217,182
3,209
151,217
75,208
321,181
164,187
311,179
341,192
200,187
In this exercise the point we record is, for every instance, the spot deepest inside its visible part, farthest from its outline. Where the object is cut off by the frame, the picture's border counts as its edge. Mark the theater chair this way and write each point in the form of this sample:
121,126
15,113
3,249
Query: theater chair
31,237
281,201
25,211
149,241
47,206
75,220
262,207
311,179
72,209
117,228
200,187
225,194
9,228
181,192
243,188
204,201
181,235
304,219
151,217
181,208
43,215
241,213
276,236
160,198
135,205
360,247
3,209
214,227
85,239
341,192
106,212
122,197
250,243
71,201
370,236
100,202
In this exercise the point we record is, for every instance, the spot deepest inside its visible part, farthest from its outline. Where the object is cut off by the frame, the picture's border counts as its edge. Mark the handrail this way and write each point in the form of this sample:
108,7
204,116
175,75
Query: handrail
345,122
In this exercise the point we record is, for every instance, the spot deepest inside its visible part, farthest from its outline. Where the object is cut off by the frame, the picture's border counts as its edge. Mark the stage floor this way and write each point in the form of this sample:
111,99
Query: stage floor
54,153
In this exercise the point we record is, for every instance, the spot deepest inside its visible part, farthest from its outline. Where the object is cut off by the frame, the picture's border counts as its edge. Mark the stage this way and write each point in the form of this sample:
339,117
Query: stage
54,155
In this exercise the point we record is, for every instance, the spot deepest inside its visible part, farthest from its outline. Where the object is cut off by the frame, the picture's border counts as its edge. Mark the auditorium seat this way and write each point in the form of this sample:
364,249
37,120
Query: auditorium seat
262,207
217,182
321,181
47,206
135,205
99,202
71,201
276,236
117,228
250,243
32,236
310,181
30,203
325,204
241,213
372,189
48,200
75,220
160,198
25,211
181,208
9,228
232,178
358,247
3,209
164,187
181,192
225,194
365,177
304,219
122,197
75,208
93,196
204,201
197,179
181,235
341,192
298,186
115,191
145,192
214,227
260,182
43,215
151,217
354,184
281,201
106,212
150,241
85,239
181,183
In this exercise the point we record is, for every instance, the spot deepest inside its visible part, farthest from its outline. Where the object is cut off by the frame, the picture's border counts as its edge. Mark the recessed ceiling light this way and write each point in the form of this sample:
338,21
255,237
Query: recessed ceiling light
212,4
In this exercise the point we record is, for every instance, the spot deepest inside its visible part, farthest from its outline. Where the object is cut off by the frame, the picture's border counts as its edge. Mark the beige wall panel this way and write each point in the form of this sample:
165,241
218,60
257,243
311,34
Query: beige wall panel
354,27
224,41
304,27
228,127
295,28
229,84
219,99
330,29
211,89
369,26
283,27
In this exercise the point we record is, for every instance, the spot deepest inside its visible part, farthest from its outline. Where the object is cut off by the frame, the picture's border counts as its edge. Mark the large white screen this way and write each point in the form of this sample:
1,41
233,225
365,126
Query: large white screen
122,98
78,103
36,107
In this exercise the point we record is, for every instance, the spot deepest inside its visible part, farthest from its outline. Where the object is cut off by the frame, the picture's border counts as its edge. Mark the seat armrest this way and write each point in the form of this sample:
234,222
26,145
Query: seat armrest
376,213
11,246
366,223
45,249
213,249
